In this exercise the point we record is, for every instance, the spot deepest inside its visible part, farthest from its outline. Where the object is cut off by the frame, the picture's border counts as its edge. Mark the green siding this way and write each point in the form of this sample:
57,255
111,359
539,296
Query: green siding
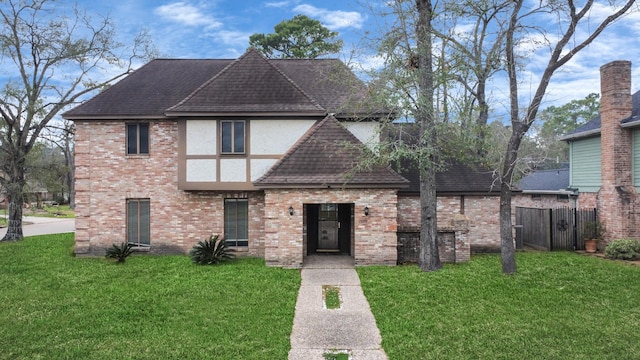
636,158
586,173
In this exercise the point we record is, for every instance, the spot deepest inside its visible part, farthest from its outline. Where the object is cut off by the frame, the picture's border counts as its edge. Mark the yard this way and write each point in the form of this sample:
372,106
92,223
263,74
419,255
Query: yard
54,306
560,305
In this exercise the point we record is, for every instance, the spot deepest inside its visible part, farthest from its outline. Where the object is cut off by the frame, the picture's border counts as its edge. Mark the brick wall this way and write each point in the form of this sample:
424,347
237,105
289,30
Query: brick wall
482,212
544,201
374,236
106,177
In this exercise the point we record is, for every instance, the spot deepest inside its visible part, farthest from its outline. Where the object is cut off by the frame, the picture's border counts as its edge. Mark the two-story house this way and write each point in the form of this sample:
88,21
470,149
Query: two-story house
261,151
605,155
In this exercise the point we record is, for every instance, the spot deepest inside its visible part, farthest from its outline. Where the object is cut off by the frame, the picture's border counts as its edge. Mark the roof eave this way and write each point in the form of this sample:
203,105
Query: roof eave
631,124
330,186
580,135
113,117
240,113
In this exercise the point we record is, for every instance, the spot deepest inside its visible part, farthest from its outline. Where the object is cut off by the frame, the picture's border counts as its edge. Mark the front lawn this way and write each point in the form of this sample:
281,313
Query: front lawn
55,306
58,211
559,306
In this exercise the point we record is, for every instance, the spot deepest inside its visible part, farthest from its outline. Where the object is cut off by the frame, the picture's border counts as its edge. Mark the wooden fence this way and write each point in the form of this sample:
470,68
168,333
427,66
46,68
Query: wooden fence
553,229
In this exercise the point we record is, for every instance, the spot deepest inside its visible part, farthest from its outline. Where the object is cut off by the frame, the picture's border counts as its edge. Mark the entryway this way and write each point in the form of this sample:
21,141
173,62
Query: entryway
329,228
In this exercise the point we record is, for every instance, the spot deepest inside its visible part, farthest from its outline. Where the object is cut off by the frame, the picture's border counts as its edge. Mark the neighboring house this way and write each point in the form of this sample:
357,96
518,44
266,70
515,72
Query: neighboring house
545,189
605,155
264,152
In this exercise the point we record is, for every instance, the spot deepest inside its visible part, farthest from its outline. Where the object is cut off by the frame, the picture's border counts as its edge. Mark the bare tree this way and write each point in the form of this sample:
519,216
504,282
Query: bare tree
522,20
57,59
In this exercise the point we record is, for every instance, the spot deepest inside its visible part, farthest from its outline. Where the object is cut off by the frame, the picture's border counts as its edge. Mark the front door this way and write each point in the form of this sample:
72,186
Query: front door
328,227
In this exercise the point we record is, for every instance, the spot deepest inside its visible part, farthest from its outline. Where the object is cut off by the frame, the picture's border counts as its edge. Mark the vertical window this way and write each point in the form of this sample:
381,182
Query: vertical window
236,222
232,137
138,222
138,139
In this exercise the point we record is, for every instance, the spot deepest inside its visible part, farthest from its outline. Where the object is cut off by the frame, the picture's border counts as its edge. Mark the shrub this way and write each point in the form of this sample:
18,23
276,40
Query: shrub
119,252
623,249
211,251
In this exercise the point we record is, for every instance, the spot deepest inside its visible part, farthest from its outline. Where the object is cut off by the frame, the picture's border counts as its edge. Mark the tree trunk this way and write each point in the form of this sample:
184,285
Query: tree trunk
15,193
507,248
429,257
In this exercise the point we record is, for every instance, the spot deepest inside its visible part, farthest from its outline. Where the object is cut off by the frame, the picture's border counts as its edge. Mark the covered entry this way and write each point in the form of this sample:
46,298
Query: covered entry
329,228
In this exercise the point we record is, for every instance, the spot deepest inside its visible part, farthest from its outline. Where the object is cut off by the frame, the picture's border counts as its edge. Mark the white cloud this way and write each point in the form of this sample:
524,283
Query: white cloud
231,37
334,20
186,14
280,4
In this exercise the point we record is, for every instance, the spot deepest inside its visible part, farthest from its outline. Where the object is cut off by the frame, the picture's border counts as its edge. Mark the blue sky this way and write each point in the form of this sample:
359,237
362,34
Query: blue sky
221,29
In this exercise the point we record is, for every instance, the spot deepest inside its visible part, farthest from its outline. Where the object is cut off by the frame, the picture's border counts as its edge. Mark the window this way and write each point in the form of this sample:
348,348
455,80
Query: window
138,139
236,222
138,223
232,137
536,197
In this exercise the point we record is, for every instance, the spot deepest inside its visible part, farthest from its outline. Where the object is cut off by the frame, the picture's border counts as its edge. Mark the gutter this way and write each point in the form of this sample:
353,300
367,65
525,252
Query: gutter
580,135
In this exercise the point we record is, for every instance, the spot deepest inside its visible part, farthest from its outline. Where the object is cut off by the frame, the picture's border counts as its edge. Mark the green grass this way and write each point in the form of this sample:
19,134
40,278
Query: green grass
558,306
61,211
331,296
55,306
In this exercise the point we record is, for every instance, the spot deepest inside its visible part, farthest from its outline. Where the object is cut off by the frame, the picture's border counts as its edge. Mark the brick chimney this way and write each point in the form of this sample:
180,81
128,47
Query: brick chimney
617,195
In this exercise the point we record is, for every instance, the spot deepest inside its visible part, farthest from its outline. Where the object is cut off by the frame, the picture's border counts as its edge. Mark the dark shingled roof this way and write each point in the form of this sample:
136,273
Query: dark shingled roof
454,178
150,90
546,180
326,156
592,128
249,84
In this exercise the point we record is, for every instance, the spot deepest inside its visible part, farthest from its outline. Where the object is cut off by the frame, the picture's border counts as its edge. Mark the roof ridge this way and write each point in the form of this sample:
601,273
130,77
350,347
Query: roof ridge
194,92
312,100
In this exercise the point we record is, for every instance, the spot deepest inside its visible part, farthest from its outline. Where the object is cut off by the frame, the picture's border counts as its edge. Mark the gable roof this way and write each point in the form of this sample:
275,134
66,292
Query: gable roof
546,181
326,156
249,84
592,128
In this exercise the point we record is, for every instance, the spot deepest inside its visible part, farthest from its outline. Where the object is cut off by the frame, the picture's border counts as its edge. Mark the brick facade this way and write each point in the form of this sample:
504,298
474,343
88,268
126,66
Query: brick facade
481,213
106,178
542,201
617,197
373,236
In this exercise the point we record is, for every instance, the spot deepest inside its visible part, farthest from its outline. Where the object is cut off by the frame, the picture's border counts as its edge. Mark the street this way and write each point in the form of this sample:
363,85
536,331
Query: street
43,226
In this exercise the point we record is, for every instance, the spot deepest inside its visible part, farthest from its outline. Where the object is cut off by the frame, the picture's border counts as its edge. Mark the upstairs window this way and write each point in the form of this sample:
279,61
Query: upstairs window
232,137
138,139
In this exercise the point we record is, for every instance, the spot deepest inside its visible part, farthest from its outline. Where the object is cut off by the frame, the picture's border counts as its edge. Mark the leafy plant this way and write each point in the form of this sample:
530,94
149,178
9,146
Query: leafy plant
594,230
119,252
211,251
623,249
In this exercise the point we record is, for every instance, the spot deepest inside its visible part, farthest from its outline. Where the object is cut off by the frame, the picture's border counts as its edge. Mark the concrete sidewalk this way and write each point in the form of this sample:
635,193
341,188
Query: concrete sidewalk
317,330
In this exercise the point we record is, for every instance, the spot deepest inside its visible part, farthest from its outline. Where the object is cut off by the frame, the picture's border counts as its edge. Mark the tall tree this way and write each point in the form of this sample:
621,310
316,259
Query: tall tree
57,59
555,121
563,46
299,37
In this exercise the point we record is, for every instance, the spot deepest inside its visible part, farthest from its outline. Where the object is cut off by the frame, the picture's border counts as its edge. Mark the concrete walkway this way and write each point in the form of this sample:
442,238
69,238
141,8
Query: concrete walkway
317,330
